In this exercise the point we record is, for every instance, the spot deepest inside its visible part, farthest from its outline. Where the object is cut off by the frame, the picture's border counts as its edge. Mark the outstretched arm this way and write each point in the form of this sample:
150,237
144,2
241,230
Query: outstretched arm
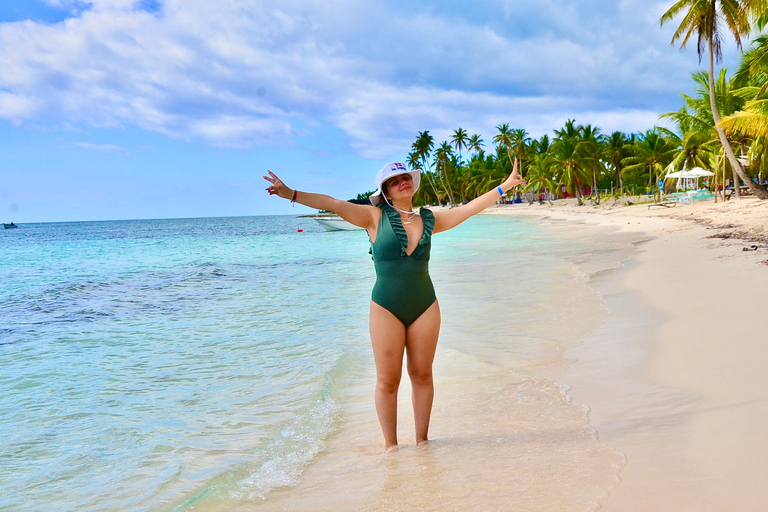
451,218
360,215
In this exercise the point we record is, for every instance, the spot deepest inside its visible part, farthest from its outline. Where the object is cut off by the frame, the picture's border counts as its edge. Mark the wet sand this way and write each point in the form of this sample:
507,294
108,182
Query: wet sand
688,406
649,391
506,433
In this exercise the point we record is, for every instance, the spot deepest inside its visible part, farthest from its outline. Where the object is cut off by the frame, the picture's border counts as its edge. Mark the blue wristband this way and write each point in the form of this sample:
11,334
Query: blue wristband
501,192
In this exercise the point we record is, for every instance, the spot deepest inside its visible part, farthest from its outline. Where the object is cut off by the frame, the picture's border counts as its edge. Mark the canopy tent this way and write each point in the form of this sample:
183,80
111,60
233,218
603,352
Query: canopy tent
697,172
688,179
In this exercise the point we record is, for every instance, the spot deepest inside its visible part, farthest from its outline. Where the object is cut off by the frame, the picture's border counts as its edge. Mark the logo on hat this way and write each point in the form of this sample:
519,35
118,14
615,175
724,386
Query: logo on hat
398,167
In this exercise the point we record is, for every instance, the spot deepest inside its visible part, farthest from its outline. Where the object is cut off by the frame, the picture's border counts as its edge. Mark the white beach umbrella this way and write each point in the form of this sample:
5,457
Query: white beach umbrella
690,179
687,177
696,172
672,174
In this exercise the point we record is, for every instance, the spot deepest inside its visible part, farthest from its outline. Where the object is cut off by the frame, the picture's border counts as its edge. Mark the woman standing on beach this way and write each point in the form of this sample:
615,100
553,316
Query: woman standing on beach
404,313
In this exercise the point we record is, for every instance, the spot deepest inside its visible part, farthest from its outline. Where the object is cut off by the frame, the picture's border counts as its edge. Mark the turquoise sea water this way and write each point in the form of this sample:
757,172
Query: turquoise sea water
147,364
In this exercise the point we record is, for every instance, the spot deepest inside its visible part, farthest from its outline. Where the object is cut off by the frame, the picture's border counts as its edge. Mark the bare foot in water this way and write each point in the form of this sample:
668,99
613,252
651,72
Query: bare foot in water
390,449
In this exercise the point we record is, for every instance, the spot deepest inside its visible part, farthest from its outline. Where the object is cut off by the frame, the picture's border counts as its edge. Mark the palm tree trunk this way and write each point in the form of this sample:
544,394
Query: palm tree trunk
434,189
595,191
577,188
432,184
758,190
444,183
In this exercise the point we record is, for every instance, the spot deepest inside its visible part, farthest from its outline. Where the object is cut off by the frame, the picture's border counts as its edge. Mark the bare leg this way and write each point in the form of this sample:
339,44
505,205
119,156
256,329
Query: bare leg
420,345
388,342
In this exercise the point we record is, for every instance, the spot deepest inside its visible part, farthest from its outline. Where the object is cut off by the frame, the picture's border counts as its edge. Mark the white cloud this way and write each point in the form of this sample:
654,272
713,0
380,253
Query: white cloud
16,106
388,119
102,147
97,5
240,73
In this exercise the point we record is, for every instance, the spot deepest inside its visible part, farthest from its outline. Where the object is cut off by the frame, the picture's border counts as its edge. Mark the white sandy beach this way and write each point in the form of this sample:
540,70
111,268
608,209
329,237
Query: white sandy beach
688,406
656,398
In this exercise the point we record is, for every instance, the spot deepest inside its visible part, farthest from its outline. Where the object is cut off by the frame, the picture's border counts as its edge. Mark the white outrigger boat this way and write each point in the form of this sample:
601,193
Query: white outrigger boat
333,222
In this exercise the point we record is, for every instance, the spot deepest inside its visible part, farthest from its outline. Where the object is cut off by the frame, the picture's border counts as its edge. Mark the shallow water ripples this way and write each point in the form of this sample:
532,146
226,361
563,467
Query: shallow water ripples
128,383
147,366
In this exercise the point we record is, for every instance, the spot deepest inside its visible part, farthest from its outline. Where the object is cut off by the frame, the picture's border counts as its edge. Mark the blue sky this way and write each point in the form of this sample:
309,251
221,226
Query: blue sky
124,109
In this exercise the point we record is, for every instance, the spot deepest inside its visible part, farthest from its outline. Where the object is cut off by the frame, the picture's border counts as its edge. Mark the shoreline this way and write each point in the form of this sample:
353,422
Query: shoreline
689,404
635,405
505,428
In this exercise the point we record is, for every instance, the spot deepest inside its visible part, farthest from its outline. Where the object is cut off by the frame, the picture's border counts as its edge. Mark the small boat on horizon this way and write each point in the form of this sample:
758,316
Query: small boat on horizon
332,222
10,226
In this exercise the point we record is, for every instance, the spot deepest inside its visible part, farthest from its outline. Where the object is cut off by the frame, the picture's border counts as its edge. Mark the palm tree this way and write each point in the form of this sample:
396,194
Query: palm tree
459,140
651,152
414,163
688,120
542,146
614,152
753,69
702,17
757,10
503,140
591,142
475,143
570,129
752,121
694,149
541,176
520,145
422,149
696,115
443,162
568,161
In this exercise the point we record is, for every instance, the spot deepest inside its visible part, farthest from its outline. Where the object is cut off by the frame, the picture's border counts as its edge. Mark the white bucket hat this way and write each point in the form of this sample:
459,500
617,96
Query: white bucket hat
389,171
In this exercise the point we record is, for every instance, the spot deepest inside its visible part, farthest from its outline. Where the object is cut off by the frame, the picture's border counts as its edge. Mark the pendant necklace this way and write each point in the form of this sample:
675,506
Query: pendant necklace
404,220
407,220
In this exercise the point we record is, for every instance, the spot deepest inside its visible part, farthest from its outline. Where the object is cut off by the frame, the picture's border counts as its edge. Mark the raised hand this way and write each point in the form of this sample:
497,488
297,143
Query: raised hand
515,178
277,186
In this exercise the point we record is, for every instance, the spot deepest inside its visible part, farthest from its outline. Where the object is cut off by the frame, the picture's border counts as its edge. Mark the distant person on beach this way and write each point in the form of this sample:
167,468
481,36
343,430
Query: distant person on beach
404,313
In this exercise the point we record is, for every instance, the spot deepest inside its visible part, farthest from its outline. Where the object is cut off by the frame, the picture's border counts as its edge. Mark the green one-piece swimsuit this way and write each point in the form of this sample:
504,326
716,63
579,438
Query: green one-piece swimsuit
403,286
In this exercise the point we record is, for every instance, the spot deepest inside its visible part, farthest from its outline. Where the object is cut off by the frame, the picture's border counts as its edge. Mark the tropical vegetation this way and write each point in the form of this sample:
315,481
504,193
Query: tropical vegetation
721,126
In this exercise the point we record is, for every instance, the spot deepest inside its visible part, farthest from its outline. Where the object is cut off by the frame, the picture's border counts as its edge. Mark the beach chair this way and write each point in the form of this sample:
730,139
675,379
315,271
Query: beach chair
666,203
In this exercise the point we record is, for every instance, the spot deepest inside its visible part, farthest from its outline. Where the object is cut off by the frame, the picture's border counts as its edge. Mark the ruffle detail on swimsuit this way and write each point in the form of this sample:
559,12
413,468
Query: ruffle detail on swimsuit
427,217
397,227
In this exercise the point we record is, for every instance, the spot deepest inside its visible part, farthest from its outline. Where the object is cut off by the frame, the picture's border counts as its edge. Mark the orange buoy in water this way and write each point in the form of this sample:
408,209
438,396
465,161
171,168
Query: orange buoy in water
299,230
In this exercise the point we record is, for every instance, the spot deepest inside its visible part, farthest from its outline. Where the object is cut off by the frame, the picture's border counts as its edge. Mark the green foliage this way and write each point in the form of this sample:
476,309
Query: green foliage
364,195
579,157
